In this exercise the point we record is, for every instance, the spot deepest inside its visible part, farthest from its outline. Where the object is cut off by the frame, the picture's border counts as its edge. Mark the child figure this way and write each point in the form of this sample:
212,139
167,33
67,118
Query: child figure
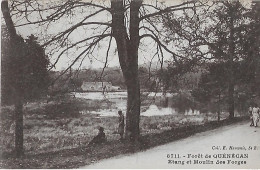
100,138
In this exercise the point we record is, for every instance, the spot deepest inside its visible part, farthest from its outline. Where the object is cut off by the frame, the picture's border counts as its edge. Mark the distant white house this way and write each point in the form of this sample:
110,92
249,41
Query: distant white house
99,86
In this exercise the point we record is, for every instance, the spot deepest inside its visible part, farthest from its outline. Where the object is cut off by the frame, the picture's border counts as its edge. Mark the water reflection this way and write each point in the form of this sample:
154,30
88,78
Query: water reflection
153,104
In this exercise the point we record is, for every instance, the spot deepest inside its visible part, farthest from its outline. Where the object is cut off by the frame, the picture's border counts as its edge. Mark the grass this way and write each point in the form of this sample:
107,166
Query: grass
56,133
81,156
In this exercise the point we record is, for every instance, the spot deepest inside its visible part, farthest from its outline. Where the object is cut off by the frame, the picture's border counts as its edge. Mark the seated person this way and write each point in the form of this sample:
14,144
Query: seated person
100,138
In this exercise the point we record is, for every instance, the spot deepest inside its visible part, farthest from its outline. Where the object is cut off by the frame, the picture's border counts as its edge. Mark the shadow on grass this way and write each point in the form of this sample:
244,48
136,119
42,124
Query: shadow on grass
81,156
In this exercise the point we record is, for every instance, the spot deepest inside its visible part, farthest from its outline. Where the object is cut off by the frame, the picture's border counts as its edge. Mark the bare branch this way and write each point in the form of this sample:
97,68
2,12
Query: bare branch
93,5
105,65
76,26
162,45
73,45
83,52
52,18
169,9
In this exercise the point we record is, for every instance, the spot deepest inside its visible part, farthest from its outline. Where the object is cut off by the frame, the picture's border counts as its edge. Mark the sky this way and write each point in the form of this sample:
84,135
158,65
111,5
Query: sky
97,59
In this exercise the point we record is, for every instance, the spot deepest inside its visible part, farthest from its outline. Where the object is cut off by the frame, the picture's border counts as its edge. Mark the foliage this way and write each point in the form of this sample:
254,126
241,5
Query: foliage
28,73
223,34
251,46
212,83
183,75
114,75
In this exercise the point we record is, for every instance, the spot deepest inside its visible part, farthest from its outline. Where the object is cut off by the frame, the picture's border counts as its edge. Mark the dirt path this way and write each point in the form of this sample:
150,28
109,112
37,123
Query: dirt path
238,135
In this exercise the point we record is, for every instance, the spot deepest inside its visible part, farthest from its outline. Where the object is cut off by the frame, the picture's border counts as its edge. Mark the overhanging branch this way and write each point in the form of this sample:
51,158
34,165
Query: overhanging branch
108,49
83,52
81,23
169,9
73,45
162,45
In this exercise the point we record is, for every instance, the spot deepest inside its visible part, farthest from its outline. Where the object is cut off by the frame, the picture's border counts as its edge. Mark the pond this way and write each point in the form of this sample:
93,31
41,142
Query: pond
153,104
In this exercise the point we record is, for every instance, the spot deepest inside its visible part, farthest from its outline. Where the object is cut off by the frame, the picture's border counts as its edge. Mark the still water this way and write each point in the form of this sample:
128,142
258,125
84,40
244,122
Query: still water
153,104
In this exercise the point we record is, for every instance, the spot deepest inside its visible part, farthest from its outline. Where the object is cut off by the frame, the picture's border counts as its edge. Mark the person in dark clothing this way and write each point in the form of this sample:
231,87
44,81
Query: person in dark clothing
251,115
121,125
100,138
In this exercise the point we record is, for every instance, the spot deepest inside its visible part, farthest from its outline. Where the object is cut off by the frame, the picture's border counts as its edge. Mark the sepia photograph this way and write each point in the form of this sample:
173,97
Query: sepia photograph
130,84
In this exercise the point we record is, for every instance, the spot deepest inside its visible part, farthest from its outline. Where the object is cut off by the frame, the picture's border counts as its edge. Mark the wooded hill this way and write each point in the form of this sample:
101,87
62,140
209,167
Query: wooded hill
148,74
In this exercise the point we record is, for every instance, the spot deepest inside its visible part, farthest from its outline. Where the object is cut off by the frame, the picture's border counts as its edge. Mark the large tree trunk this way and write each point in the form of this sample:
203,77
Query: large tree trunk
16,41
18,125
128,57
133,104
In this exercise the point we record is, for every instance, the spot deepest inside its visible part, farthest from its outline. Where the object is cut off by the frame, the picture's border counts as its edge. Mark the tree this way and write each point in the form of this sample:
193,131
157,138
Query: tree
146,78
251,46
214,33
128,22
173,77
24,72
212,85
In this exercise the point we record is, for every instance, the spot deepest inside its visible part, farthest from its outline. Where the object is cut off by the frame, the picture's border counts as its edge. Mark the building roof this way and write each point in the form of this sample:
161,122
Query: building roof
97,83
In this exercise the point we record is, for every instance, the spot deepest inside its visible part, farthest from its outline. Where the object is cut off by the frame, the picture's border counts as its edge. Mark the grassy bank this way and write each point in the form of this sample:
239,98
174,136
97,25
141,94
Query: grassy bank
80,156
56,133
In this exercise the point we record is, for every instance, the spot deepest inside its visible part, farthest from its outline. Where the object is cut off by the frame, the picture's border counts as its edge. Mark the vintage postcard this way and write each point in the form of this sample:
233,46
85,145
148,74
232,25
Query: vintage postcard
130,84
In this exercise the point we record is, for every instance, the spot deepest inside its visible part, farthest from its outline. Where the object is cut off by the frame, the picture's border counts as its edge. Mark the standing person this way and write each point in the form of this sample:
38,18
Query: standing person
251,116
255,114
121,124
